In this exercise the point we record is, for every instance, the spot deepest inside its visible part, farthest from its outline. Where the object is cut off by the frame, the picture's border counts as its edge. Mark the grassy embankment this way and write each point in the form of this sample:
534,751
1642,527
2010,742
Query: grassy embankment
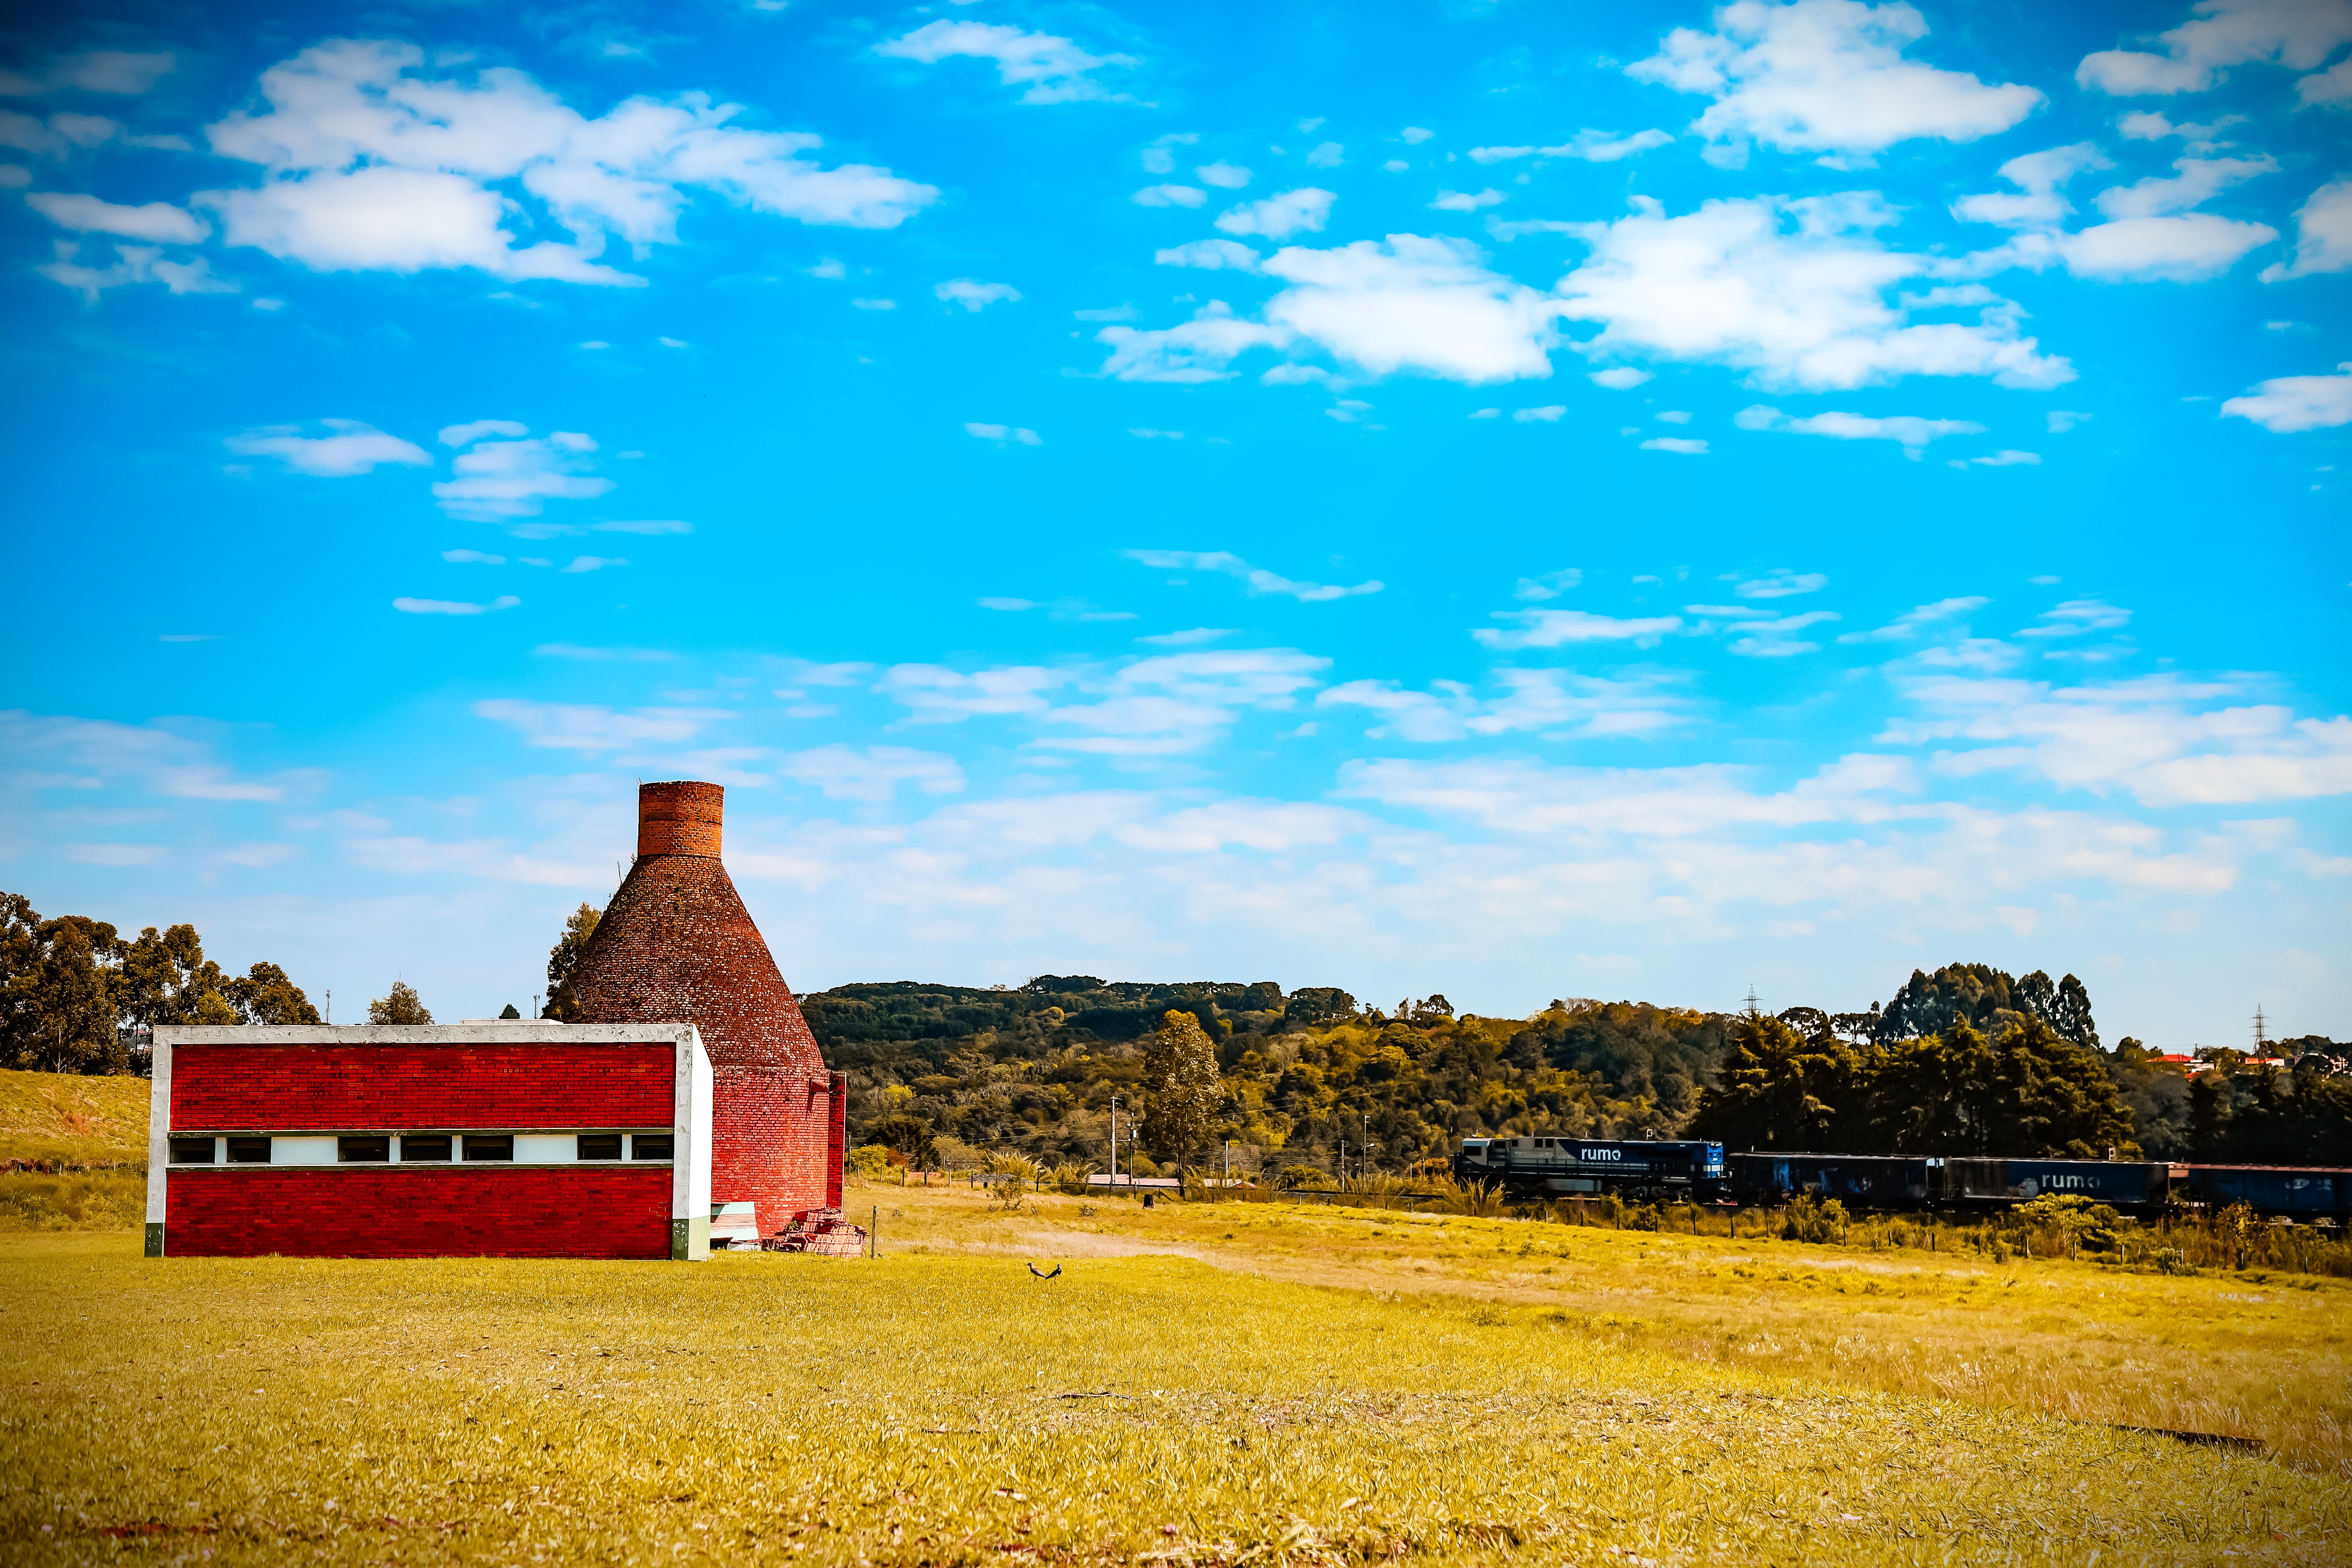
91,1134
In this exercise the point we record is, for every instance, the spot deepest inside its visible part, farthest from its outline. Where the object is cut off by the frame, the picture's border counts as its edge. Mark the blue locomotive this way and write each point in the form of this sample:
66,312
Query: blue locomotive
1552,1166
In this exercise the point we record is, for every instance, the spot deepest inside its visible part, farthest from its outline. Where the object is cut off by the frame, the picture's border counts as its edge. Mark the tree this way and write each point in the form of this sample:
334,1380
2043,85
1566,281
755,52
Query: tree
401,1007
910,1136
1319,1004
74,1030
1181,1088
266,997
1778,1089
564,958
509,1011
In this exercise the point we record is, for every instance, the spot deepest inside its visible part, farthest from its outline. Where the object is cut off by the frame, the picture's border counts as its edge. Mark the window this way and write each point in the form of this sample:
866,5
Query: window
653,1145
364,1150
489,1146
248,1151
424,1146
192,1151
600,1145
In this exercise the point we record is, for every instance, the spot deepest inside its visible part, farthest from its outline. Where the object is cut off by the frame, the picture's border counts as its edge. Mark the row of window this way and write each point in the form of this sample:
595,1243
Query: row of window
422,1147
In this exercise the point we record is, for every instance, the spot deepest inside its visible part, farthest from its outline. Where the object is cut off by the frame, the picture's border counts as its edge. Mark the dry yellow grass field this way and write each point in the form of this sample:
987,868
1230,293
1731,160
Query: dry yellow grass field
1300,1389
2256,1354
59,1120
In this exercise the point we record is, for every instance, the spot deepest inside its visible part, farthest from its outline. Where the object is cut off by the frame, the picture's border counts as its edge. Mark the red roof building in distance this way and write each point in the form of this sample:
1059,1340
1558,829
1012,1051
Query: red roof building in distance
677,945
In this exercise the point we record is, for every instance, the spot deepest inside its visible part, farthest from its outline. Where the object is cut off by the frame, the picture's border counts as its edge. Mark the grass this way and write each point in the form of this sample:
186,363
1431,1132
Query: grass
941,1405
69,1124
2252,1354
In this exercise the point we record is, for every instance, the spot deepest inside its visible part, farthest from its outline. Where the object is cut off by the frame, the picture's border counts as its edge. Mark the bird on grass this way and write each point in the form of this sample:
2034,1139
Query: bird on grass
1057,1274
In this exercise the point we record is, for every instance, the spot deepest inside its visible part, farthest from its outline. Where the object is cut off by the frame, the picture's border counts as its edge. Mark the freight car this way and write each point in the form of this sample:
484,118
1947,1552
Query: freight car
1913,1181
1559,1167
2299,1192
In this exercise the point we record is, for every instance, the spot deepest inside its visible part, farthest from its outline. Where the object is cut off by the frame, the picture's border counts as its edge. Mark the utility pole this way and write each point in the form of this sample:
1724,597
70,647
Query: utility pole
1114,1143
330,1007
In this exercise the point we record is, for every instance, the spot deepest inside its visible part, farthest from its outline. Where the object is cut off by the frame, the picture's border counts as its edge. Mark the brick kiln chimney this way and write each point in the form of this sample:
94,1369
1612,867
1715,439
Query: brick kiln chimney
675,944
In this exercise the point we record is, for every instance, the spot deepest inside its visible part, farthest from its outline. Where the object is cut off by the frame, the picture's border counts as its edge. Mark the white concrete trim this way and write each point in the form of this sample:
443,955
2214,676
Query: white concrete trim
159,1132
525,1033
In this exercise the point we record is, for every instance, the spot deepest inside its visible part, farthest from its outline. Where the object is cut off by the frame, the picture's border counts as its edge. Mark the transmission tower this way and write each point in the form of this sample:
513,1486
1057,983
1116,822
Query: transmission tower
2261,1033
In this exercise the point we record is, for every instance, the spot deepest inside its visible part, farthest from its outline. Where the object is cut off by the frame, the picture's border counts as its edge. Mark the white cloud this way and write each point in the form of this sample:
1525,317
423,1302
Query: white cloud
132,264
1008,605
1145,433
1592,146
1911,431
472,558
1826,75
1792,291
934,694
1467,201
1621,378
1224,176
874,304
1188,637
588,727
498,480
1550,585
468,434
2331,87
1908,624
1160,157
829,268
2171,249
1170,196
353,449
1210,256
1280,217
1554,628
454,607
1197,350
1053,69
2006,459
651,526
2195,182
1259,580
1004,433
873,774
1547,415
2062,420
2287,403
369,165
1686,445
2297,34
2158,737
1782,583
1528,798
61,136
1774,636
115,71
1414,135
2323,234
1176,702
1325,155
1410,303
1558,701
594,563
2077,616
972,294
2040,176
87,215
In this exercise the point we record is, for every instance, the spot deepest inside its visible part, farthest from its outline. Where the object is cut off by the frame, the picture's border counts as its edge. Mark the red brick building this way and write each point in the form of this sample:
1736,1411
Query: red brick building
515,1140
677,943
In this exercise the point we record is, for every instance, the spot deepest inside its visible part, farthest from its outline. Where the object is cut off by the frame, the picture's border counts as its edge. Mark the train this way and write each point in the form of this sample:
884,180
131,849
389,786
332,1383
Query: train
1693,1170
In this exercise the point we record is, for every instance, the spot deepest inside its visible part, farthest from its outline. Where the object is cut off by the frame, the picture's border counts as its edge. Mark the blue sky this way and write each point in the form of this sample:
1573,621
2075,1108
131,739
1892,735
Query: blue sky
1484,498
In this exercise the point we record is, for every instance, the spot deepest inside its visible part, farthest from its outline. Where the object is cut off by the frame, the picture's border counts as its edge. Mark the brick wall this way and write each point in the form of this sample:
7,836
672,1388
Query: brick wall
770,1142
418,1211
351,1088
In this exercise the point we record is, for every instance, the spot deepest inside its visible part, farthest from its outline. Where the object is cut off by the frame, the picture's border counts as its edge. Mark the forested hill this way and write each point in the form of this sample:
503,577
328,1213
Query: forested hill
1965,1059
